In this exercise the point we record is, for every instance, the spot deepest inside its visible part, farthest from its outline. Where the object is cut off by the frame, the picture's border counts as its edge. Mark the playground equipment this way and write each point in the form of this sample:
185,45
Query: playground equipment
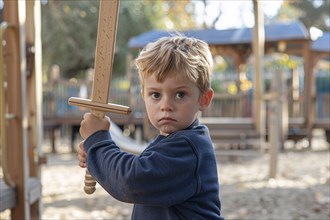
21,119
307,101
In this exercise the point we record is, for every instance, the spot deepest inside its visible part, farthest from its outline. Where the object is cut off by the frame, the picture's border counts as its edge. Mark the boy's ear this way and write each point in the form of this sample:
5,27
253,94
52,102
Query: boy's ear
205,99
141,92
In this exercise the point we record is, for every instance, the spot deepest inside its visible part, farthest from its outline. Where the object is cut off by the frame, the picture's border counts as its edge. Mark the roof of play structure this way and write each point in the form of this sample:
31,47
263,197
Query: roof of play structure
274,32
322,44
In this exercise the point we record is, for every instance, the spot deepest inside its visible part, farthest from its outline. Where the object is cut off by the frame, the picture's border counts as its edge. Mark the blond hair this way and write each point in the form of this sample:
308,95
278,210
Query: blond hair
177,54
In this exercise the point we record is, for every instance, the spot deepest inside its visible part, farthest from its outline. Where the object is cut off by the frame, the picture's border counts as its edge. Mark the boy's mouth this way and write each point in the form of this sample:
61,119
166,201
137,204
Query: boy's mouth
166,119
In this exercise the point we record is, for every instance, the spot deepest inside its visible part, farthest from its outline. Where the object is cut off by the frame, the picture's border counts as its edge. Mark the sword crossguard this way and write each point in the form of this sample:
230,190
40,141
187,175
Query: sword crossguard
97,106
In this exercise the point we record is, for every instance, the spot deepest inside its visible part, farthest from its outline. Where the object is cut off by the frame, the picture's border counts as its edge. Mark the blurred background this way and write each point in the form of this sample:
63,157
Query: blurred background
273,164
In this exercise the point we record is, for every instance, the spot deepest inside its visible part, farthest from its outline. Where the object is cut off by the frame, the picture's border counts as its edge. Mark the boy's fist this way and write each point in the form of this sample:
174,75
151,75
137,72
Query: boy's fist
91,124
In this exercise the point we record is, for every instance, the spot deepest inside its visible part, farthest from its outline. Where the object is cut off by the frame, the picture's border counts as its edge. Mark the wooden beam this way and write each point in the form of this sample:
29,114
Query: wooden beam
15,15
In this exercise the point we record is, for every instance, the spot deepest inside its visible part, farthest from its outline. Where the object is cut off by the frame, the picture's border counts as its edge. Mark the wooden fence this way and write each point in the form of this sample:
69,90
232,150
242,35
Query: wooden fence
238,106
57,113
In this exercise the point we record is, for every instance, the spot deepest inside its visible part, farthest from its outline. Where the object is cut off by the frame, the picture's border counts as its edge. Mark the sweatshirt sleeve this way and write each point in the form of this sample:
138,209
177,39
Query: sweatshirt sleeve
164,174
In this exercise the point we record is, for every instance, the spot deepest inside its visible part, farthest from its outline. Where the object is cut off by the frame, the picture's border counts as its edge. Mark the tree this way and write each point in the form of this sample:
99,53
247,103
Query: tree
69,30
137,17
68,35
205,4
309,12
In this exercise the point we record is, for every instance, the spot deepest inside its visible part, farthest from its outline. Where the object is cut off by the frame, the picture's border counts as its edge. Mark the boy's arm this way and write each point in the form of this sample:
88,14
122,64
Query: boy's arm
162,175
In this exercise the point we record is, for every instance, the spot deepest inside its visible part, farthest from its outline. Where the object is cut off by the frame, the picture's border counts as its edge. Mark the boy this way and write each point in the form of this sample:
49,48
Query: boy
175,177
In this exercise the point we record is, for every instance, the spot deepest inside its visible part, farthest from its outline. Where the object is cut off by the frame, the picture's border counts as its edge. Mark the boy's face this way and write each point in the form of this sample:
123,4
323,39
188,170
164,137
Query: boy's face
173,104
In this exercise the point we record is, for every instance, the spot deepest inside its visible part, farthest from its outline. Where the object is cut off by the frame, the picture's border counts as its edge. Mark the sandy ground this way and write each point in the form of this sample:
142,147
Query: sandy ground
300,191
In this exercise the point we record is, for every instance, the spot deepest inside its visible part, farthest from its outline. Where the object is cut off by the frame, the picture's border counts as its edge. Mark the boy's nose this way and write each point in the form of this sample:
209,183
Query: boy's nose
166,104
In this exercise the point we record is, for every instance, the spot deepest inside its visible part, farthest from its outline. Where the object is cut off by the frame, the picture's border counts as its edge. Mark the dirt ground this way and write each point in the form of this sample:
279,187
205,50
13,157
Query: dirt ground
300,191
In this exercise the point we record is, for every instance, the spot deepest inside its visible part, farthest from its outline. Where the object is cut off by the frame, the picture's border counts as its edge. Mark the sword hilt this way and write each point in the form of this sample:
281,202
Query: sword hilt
99,110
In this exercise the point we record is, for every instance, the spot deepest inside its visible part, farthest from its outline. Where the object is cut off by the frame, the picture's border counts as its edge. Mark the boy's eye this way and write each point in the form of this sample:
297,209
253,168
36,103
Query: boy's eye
155,95
180,95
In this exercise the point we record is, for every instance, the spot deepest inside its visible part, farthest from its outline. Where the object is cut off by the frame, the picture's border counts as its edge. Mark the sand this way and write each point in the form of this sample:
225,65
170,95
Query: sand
300,191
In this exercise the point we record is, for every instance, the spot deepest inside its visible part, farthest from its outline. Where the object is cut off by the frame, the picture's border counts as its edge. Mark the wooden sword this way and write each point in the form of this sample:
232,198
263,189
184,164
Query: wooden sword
104,56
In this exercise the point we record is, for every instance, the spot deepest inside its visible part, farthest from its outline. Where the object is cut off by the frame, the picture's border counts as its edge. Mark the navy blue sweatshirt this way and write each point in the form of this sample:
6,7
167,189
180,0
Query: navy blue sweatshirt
175,177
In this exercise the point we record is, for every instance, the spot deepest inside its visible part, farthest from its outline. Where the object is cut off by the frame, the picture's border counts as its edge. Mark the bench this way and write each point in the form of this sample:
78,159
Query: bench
298,128
232,133
8,197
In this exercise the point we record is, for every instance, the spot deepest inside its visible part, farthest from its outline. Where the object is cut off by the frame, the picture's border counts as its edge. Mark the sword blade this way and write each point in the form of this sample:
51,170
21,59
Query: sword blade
104,52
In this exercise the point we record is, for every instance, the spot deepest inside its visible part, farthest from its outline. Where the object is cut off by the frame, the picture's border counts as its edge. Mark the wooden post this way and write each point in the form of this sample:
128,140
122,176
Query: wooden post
15,60
23,73
274,125
284,109
309,90
34,91
295,93
278,120
258,51
34,77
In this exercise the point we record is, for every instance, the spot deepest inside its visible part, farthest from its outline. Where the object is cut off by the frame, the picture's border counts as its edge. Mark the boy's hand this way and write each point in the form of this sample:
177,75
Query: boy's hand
90,124
82,155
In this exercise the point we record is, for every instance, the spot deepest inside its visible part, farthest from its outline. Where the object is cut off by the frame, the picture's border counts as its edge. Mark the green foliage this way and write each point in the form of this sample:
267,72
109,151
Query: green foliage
220,64
69,35
217,85
281,63
310,12
69,30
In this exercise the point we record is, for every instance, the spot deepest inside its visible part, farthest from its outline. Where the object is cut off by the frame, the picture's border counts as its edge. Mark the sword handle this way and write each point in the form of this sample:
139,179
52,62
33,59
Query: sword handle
90,183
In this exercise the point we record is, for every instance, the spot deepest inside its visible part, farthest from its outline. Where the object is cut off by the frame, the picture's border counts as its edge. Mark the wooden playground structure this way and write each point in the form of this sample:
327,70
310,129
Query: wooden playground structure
232,119
21,116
